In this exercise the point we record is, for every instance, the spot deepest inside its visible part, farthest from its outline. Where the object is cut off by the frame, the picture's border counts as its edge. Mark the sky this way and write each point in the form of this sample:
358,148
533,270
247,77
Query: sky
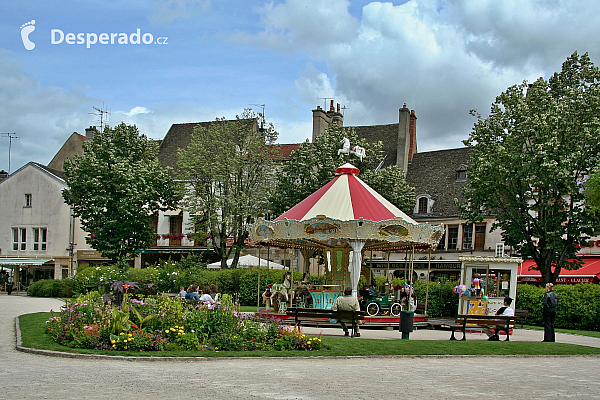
196,60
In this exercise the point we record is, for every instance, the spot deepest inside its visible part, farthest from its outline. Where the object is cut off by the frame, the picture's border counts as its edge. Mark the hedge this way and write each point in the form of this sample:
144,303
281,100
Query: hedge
578,305
52,288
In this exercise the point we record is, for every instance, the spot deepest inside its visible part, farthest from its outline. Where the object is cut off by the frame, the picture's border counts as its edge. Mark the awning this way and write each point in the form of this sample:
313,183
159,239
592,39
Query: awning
24,261
589,270
172,213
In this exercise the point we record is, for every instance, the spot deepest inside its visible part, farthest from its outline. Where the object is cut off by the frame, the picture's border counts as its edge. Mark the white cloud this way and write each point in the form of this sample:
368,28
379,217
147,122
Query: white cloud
442,58
136,110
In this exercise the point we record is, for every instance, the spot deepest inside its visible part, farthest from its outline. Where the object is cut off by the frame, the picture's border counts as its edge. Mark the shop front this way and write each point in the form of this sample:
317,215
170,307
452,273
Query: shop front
588,273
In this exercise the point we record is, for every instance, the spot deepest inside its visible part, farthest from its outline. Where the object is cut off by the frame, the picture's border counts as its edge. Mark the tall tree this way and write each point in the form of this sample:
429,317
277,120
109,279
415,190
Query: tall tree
227,168
312,165
529,155
591,188
115,186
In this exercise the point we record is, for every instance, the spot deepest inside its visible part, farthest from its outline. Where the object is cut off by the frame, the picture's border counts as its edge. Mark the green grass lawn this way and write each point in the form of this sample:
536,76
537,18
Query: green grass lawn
33,335
562,330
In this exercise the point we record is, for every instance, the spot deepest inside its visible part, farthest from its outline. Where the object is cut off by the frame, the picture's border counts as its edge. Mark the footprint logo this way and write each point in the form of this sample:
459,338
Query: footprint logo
26,29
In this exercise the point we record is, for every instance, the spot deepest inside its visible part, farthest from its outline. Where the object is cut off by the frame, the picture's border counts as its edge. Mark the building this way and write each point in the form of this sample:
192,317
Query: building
39,237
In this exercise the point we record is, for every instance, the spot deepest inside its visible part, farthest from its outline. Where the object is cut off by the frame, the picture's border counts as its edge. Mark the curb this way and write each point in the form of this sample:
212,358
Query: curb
62,354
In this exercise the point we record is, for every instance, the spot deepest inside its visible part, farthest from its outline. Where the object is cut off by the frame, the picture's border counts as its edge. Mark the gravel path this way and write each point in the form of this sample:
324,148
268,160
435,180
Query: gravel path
32,376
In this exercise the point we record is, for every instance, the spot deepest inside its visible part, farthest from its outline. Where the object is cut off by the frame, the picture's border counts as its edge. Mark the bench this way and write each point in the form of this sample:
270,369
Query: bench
300,314
521,316
490,321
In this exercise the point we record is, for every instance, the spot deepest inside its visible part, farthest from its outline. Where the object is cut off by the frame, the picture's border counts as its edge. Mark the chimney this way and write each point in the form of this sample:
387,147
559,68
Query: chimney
321,122
331,106
89,133
403,143
412,131
3,175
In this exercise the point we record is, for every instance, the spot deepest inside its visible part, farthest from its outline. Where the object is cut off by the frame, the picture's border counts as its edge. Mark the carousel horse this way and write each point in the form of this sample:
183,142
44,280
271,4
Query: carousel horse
280,292
347,149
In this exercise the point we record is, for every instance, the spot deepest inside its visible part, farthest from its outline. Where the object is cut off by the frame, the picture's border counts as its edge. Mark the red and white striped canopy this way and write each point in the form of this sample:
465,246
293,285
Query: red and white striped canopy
345,198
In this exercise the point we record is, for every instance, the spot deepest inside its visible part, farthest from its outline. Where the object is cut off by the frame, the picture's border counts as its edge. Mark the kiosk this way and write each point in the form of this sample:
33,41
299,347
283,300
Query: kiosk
488,281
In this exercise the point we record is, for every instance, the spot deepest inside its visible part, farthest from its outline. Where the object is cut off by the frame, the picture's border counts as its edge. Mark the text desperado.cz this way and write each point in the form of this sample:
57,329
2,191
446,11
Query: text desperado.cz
57,37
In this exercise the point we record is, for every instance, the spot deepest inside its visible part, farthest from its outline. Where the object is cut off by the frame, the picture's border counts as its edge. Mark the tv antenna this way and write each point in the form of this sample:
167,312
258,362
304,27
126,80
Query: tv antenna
262,122
344,108
10,137
325,101
103,116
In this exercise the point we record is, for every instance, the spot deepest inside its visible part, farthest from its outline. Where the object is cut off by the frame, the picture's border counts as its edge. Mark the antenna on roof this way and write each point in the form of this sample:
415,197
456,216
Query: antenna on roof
10,137
380,164
103,116
344,108
262,119
325,101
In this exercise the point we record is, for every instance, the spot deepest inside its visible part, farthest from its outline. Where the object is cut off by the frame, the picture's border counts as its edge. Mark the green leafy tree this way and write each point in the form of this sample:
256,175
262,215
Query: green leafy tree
115,186
591,189
227,167
529,156
312,165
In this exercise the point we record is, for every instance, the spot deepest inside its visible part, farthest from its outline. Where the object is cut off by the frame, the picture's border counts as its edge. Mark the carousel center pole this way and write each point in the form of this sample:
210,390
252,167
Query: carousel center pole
428,272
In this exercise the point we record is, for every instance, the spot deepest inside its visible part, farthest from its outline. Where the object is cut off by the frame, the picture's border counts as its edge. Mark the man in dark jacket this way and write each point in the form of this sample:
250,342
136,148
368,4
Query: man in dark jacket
549,304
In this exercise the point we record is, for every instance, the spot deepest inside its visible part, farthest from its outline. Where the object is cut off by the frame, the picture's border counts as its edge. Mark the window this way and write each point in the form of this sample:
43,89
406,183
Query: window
461,173
19,236
479,236
423,202
452,237
39,239
28,200
467,237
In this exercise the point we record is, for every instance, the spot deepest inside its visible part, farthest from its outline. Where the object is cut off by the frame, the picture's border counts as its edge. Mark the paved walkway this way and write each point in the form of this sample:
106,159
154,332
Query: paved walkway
32,376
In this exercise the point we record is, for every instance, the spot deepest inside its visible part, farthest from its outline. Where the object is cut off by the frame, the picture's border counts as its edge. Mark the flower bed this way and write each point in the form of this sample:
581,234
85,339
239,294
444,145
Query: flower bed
161,323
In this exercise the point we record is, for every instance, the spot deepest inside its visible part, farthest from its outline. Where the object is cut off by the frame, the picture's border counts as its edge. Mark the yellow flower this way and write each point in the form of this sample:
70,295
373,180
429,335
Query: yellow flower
173,329
121,334
166,331
129,334
216,348
125,347
112,341
180,331
114,346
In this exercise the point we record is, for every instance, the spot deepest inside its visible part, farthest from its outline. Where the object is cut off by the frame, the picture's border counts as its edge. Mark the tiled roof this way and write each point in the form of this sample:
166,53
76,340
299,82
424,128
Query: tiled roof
434,173
178,137
285,150
53,171
387,134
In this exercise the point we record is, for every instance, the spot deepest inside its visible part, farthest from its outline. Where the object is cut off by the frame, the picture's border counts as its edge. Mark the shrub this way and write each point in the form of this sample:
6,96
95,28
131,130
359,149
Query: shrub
52,288
578,305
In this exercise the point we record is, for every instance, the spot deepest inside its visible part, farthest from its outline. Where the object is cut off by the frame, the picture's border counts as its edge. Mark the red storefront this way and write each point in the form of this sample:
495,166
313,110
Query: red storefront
589,272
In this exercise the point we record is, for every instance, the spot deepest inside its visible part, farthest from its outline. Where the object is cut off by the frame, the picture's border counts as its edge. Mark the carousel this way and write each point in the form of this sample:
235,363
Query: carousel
338,223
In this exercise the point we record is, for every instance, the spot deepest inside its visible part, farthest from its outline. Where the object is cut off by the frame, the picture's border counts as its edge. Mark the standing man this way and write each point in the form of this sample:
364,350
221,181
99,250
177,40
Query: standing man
549,303
347,302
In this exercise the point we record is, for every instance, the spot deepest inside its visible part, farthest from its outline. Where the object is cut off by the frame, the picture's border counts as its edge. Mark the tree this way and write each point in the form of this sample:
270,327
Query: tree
227,168
115,187
591,188
529,155
312,165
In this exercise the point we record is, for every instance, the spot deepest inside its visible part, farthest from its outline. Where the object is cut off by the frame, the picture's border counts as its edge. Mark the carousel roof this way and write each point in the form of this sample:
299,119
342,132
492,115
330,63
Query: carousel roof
343,210
345,198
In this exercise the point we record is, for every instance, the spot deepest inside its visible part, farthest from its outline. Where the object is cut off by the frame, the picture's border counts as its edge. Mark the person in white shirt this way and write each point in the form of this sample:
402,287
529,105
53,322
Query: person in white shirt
206,297
506,310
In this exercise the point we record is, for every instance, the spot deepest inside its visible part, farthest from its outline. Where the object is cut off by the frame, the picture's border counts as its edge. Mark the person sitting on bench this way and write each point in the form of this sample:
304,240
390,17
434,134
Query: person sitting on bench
506,311
347,302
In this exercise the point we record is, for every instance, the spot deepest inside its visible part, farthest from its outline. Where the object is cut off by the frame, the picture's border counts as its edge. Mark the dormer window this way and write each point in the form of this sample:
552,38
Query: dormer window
461,173
424,205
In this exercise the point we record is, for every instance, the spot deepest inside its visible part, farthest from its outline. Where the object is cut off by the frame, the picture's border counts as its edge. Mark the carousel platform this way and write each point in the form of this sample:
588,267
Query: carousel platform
419,320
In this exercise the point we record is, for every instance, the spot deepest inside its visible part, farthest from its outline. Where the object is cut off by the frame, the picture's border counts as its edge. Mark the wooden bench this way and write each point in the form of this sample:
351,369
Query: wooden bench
491,321
300,314
521,316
